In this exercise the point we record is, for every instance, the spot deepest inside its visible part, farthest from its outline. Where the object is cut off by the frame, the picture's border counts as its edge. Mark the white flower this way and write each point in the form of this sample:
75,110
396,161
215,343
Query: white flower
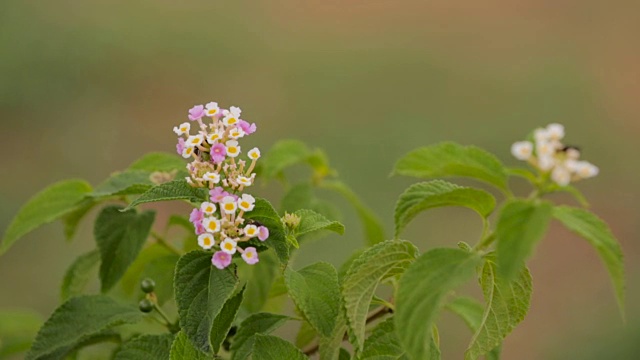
233,149
546,163
213,177
246,202
184,128
522,150
213,137
545,148
586,170
194,140
212,109
236,133
206,241
254,153
231,116
555,132
228,205
229,246
243,180
208,208
187,152
189,180
541,135
561,175
211,224
251,231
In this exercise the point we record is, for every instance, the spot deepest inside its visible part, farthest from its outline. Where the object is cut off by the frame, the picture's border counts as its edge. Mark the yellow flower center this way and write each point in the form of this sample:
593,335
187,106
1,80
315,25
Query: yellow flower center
228,246
248,254
229,206
245,204
213,226
207,241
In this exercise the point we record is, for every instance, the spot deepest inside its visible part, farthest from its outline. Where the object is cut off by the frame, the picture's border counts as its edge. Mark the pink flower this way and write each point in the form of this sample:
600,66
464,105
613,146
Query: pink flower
263,233
250,255
180,146
221,259
248,129
217,194
218,153
196,215
199,227
196,113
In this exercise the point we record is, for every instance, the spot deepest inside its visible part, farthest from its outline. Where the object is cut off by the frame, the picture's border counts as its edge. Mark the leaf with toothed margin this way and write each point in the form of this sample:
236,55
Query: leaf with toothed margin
266,215
120,237
267,347
77,319
422,291
438,193
146,347
172,190
599,235
382,261
201,290
50,204
450,159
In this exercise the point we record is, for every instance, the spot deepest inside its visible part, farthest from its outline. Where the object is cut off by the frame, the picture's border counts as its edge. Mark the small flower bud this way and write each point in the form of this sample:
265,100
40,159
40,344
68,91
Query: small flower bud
147,285
145,305
291,220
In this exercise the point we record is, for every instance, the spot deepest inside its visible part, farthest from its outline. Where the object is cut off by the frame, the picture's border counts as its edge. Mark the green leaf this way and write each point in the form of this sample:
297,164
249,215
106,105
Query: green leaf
18,328
316,292
521,225
469,309
450,159
124,183
78,274
224,320
182,349
311,221
372,226
344,354
266,215
383,344
77,319
201,292
507,303
427,195
597,233
422,292
260,323
259,280
158,162
267,347
48,205
120,236
382,261
172,190
72,219
282,155
146,347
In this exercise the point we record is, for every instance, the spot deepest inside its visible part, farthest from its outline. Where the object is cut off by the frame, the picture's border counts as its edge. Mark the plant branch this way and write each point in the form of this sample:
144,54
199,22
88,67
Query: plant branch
378,313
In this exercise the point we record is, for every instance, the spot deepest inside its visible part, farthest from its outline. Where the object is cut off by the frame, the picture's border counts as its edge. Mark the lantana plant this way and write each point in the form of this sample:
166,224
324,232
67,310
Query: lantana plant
219,277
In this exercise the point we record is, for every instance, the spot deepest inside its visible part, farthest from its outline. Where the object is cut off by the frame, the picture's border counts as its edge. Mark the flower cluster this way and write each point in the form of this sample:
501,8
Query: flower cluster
216,165
547,153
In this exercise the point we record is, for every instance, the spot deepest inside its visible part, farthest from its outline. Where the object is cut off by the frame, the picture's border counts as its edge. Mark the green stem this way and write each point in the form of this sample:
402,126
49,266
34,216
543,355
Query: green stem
169,324
485,243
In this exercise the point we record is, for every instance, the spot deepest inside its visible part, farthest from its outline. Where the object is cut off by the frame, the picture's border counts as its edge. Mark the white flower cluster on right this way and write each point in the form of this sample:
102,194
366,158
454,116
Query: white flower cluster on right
548,154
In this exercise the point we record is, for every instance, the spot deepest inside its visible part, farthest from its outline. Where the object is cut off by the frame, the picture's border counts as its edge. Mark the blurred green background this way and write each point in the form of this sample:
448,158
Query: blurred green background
86,87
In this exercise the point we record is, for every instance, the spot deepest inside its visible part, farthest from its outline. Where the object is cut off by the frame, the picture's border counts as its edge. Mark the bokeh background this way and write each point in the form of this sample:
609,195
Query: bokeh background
86,87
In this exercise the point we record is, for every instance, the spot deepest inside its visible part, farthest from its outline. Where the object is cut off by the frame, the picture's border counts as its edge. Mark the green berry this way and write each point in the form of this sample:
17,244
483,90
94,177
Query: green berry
147,285
145,305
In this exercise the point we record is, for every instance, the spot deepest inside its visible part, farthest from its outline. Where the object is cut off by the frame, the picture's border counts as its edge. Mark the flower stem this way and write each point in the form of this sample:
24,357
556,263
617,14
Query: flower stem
162,241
